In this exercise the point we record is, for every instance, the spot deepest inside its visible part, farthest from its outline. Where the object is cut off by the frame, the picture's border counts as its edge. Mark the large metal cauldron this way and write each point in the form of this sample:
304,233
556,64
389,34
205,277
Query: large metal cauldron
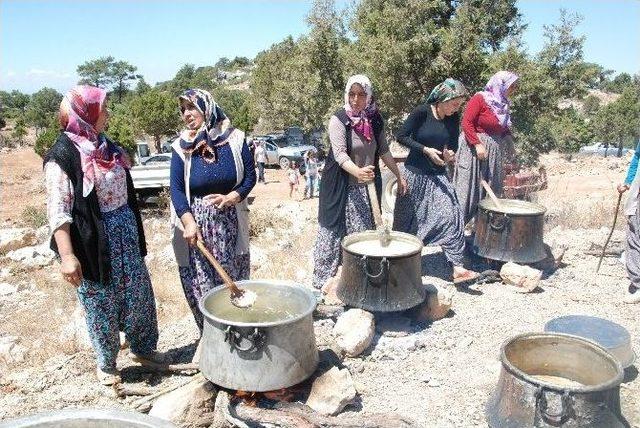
512,233
87,418
268,346
378,278
556,380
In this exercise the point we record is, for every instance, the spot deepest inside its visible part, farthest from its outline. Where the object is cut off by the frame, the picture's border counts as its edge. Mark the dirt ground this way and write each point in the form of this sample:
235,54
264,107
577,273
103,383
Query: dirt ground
439,374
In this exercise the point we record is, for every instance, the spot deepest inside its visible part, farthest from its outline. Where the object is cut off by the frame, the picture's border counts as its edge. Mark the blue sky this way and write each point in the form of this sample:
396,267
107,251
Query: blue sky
42,42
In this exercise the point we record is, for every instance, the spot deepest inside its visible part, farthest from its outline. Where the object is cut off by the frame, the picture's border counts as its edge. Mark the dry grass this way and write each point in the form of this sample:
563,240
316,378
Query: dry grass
586,213
262,219
34,217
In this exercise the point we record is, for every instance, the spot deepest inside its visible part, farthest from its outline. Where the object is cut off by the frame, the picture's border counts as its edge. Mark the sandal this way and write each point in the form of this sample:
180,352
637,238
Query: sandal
152,359
108,377
467,276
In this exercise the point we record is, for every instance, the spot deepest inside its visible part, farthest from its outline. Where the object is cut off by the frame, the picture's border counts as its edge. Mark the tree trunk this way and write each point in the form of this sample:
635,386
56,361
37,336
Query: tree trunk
156,139
620,147
606,149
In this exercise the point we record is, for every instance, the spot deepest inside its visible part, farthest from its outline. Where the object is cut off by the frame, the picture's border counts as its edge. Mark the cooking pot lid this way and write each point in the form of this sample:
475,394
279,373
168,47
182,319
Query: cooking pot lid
605,333
513,207
368,244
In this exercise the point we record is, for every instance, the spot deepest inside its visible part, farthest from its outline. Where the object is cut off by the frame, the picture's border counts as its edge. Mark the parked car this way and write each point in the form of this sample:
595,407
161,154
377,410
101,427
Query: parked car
152,174
602,149
279,152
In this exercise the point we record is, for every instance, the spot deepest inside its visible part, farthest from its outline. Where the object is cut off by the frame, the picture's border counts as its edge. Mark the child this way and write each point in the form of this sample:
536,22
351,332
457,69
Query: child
294,178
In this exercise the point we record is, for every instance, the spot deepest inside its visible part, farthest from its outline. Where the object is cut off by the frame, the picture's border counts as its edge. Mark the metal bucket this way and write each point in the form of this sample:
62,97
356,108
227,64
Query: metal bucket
87,418
266,347
377,279
553,380
513,233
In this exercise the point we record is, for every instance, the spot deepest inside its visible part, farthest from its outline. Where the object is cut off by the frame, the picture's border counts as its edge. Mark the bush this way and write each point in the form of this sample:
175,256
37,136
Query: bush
34,217
45,140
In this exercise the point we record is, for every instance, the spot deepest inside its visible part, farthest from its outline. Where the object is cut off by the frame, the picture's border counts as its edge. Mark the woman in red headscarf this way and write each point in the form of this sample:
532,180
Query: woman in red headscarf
97,232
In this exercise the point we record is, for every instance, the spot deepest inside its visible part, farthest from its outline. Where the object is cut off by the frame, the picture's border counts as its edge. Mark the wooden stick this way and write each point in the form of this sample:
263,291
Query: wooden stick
492,195
375,206
235,291
142,401
613,226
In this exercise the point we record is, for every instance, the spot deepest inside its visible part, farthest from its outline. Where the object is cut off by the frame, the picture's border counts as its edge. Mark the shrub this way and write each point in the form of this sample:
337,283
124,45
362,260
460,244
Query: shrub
34,217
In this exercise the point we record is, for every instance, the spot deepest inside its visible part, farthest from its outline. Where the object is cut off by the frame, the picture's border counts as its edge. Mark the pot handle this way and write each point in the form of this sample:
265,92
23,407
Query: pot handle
382,272
553,418
498,223
257,339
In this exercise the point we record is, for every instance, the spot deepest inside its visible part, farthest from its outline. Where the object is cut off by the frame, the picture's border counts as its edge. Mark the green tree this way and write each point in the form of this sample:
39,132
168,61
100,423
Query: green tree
121,73
571,131
590,105
46,139
156,113
237,105
619,122
122,127
618,83
19,130
43,108
96,72
142,86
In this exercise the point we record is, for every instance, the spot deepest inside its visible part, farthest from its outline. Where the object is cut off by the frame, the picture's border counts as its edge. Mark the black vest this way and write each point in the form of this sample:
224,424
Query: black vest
335,180
87,229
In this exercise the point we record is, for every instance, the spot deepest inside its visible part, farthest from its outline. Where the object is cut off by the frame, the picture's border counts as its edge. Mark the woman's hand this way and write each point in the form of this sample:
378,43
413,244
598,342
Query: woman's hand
191,233
481,151
365,174
402,187
434,155
222,201
623,188
70,269
449,155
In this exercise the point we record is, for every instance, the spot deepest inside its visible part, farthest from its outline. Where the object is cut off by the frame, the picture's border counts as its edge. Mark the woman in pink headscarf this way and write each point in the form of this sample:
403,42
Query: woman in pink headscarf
485,142
97,232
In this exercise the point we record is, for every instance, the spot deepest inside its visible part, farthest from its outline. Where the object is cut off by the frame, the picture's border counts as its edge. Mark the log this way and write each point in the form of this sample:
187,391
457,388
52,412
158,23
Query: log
184,368
124,390
295,415
144,403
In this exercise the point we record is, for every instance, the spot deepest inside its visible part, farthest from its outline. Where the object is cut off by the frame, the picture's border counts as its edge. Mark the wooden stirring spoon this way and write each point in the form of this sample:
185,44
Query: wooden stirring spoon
240,298
492,195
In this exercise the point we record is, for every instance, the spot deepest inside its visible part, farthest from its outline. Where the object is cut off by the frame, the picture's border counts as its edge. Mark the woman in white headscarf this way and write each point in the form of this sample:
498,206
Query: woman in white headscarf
358,142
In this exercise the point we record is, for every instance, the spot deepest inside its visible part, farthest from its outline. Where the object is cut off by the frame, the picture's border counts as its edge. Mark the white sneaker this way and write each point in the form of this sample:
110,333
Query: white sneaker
632,297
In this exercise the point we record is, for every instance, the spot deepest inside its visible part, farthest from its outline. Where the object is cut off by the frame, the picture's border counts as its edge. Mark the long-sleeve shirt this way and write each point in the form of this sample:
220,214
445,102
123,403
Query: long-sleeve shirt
362,152
111,190
478,118
633,166
421,129
209,178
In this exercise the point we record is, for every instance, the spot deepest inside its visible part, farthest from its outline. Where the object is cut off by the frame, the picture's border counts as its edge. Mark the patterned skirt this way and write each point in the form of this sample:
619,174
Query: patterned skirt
470,170
327,252
632,254
126,303
430,210
219,229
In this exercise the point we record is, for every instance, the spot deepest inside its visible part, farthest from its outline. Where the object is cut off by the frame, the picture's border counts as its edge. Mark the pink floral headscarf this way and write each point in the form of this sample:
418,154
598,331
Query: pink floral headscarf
495,95
79,112
361,121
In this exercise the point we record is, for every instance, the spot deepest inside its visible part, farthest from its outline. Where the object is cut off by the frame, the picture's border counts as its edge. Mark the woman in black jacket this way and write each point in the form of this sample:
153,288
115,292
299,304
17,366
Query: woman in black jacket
97,232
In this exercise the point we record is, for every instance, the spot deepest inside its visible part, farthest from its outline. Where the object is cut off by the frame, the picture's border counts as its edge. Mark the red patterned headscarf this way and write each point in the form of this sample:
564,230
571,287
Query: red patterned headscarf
80,110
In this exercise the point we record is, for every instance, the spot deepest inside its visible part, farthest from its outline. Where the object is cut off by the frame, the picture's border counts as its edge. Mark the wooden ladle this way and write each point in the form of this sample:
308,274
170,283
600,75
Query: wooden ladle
240,298
492,195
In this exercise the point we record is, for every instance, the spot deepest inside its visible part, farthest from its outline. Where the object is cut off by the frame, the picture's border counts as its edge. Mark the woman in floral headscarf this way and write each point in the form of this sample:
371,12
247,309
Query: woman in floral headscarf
212,172
97,232
430,208
485,142
356,132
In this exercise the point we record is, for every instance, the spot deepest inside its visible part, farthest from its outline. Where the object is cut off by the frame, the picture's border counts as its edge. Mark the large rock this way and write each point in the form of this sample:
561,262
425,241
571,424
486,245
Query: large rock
332,392
354,331
75,331
11,351
39,255
329,291
190,405
6,288
14,238
524,278
436,305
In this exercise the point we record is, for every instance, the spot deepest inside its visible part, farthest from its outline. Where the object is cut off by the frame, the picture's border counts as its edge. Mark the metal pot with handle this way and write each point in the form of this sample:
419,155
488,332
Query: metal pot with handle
270,345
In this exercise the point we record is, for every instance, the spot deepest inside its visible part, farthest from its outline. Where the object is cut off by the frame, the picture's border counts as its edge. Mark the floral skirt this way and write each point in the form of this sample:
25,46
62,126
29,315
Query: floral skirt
327,252
430,210
219,229
126,303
